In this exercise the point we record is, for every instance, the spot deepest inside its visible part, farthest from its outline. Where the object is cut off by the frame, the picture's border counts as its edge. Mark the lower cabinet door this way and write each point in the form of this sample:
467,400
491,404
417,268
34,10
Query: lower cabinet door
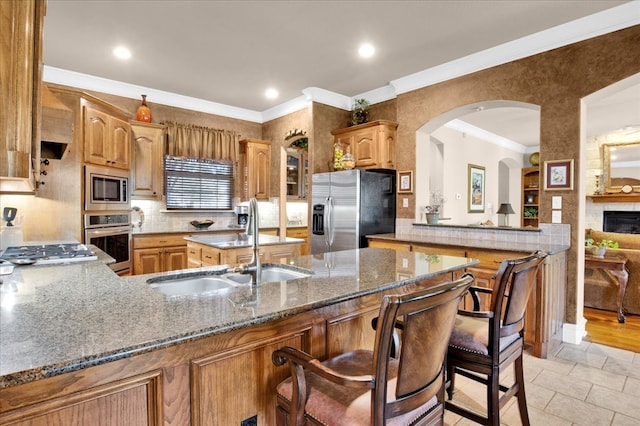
175,258
146,261
249,374
136,400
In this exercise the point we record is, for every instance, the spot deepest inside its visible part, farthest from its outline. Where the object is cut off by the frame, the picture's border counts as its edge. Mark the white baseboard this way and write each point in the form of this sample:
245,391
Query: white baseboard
573,333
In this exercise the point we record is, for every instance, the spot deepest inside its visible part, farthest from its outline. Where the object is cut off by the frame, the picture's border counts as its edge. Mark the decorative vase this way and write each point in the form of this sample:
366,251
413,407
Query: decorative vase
530,198
534,159
600,251
432,218
144,113
338,152
347,160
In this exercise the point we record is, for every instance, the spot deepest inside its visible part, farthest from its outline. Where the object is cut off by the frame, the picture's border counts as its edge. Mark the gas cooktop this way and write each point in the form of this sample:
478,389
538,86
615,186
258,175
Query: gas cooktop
48,254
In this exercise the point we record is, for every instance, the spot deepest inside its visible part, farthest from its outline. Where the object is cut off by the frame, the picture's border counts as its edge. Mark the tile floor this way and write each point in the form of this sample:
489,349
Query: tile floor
587,384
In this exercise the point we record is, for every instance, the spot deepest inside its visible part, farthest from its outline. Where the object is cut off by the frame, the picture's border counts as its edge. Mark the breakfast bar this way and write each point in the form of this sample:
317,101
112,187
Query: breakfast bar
81,342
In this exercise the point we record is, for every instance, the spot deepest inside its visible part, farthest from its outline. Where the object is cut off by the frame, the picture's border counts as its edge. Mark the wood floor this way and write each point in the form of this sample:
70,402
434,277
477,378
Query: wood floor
603,327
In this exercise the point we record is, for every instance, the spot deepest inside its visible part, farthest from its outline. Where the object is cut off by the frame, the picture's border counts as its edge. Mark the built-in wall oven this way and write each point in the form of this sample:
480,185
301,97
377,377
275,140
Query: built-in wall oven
111,233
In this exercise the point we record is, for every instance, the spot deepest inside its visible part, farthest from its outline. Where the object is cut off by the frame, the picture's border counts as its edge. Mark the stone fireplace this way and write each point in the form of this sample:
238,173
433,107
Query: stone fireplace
623,222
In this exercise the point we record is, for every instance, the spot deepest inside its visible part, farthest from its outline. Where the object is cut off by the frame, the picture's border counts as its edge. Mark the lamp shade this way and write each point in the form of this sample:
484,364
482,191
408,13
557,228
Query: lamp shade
505,208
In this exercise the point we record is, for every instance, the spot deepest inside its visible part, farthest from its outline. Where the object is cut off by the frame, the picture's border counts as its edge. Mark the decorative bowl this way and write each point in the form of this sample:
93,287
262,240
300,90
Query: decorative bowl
202,224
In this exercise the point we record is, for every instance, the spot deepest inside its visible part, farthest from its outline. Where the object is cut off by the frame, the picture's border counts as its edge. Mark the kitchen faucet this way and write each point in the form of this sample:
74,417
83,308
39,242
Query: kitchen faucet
253,268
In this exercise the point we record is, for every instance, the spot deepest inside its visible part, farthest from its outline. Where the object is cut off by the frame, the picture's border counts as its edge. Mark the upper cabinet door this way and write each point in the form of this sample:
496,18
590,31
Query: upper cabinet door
106,138
147,154
95,136
20,68
255,160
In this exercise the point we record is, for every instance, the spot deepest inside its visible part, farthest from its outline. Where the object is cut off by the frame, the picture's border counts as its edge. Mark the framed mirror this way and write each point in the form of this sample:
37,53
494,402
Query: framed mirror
621,167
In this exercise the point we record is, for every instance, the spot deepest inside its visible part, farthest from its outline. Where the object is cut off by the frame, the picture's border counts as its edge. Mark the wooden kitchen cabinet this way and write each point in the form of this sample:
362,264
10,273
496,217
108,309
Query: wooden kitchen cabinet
545,309
300,233
106,136
372,144
21,71
146,161
159,253
201,255
255,168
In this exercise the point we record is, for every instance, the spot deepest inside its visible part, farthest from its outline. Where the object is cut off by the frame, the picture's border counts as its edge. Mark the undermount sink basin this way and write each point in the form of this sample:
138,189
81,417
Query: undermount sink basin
193,286
202,284
270,274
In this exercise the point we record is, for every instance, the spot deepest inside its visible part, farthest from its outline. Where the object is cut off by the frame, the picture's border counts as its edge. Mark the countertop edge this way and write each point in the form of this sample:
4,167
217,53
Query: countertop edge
51,370
473,243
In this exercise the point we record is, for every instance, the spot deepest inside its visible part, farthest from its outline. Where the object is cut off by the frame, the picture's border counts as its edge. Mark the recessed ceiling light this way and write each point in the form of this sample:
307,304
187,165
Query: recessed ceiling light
271,93
366,50
122,52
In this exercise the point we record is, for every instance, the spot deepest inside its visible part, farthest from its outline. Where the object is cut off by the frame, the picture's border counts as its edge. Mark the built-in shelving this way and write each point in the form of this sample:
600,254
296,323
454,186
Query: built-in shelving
530,197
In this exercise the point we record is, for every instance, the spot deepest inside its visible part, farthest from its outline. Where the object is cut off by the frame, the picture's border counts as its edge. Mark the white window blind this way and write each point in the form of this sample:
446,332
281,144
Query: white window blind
196,183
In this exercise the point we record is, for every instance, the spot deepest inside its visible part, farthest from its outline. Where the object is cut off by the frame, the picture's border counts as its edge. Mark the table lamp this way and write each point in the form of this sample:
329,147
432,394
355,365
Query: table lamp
506,210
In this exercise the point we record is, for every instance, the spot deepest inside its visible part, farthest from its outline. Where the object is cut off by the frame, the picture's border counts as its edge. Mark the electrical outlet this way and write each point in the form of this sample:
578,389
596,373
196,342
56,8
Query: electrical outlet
405,202
251,421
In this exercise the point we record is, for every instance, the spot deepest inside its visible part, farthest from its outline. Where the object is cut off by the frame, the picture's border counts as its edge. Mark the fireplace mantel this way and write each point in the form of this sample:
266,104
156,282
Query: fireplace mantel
615,198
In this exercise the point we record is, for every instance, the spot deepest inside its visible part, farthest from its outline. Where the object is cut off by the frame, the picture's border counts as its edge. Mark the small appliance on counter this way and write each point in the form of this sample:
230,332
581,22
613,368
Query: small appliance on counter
242,212
11,235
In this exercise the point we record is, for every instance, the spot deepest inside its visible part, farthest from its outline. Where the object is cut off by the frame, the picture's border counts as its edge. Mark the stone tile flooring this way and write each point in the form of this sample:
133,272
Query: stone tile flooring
587,384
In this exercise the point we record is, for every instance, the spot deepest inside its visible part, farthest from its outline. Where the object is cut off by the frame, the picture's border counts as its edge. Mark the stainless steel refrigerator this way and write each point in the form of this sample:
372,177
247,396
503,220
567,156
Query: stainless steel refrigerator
349,205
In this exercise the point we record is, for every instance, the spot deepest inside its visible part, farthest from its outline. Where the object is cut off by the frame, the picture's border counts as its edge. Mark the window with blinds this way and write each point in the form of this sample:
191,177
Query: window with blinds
198,184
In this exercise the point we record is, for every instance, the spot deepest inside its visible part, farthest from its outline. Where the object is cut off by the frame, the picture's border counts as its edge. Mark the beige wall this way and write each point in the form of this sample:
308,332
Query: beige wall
554,80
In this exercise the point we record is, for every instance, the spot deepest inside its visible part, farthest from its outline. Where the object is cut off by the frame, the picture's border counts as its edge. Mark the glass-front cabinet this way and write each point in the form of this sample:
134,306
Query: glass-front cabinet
297,166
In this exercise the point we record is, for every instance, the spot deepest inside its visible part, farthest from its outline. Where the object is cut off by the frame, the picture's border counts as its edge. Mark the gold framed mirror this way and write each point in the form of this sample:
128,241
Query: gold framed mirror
621,167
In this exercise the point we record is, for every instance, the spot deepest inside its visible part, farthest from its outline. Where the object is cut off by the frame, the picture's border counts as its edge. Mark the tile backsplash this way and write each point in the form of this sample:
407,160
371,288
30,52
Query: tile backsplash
158,219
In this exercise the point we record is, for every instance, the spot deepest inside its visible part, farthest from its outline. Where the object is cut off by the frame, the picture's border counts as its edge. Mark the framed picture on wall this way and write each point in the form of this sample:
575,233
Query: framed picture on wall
405,182
558,174
476,195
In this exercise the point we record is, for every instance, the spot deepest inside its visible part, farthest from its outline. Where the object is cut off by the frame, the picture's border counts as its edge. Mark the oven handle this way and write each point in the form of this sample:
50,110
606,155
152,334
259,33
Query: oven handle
105,232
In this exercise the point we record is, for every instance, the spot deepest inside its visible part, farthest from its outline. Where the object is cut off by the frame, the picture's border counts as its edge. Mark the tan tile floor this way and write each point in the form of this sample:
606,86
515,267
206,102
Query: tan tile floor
587,384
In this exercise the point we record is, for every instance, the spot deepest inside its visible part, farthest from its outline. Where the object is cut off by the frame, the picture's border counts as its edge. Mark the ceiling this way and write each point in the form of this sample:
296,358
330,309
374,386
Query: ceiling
230,52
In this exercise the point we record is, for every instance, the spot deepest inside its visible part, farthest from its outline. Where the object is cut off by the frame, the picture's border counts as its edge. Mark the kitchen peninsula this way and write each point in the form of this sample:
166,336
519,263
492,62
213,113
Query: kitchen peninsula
545,316
79,342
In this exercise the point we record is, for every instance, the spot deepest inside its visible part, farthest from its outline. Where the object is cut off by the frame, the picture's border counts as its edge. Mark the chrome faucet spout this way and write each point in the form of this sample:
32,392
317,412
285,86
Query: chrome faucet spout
253,228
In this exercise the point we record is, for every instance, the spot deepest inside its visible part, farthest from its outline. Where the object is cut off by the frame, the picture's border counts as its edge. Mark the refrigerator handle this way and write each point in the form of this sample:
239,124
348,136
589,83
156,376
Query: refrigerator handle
329,222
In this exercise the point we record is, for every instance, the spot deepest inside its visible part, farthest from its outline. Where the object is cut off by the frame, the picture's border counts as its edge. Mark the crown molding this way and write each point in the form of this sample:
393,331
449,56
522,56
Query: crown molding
616,18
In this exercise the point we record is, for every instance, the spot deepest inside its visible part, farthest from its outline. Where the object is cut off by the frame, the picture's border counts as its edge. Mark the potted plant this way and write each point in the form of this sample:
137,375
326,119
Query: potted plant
300,144
433,209
360,111
600,247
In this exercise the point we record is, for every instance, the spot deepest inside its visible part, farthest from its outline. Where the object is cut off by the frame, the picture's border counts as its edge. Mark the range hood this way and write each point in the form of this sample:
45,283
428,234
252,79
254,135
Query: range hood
56,130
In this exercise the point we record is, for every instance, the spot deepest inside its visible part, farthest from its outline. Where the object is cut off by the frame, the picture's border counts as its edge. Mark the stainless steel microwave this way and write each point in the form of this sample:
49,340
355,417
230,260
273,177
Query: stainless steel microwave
106,188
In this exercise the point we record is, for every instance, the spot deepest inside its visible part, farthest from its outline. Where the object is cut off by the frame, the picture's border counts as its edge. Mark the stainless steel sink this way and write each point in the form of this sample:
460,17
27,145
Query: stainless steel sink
193,286
202,284
270,274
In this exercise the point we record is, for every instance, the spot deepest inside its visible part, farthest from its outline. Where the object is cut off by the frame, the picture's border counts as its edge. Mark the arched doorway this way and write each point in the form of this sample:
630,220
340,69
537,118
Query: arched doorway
609,116
500,135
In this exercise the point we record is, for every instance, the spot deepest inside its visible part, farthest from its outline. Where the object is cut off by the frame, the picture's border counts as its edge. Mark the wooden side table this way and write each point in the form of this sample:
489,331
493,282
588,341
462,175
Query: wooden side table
616,268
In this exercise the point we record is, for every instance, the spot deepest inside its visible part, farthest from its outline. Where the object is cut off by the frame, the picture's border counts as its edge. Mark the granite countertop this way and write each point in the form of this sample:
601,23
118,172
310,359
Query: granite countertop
60,318
224,243
506,244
